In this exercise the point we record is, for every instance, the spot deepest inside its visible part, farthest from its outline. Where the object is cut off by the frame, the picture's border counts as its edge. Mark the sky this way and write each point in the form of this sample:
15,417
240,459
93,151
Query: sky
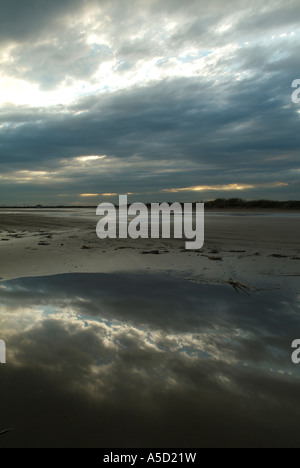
162,100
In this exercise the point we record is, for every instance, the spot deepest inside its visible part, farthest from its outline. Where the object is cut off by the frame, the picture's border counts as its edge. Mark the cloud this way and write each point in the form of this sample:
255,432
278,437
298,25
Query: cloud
23,21
201,91
224,188
218,188
179,127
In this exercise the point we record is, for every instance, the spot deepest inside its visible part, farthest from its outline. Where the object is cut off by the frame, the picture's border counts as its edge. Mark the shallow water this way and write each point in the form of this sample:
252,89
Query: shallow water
109,361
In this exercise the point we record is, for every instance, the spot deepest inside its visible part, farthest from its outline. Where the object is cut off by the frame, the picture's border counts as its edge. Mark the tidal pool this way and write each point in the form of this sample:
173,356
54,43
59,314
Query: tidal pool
132,361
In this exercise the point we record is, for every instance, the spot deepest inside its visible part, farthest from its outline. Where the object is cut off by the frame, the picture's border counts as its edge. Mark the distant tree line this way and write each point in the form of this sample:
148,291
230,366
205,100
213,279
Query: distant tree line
219,203
222,203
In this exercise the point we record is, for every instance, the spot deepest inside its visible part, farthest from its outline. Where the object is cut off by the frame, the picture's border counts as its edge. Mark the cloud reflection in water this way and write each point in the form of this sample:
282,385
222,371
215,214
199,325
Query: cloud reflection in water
131,360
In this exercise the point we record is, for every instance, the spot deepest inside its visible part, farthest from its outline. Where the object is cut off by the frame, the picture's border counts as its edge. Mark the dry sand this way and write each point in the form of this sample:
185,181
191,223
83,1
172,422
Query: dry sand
255,250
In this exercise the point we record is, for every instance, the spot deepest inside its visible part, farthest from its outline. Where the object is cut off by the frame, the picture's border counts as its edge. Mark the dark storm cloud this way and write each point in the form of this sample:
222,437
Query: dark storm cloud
23,20
155,122
275,16
239,127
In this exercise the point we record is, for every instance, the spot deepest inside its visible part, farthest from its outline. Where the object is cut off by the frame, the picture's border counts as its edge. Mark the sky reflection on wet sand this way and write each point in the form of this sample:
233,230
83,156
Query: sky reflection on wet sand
99,360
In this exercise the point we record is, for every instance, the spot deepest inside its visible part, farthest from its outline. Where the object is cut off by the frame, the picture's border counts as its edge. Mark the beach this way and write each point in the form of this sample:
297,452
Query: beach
125,321
142,343
252,247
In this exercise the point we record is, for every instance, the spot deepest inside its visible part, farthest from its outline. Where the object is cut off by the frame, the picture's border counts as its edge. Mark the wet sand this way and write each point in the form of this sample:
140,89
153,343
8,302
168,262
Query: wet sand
172,348
254,249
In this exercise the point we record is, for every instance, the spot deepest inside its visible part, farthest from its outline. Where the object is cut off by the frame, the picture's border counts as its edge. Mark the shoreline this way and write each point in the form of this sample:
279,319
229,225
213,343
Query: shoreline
94,208
252,250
